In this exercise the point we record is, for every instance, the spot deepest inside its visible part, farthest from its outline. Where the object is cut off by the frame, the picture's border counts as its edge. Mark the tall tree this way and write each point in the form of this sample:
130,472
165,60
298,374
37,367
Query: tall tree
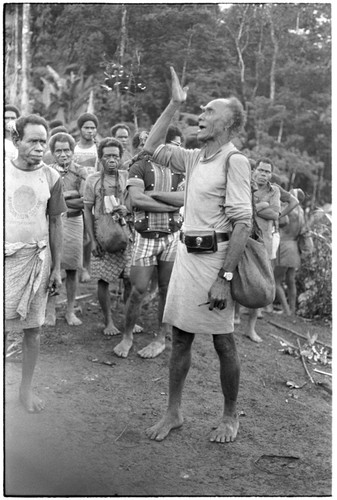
25,105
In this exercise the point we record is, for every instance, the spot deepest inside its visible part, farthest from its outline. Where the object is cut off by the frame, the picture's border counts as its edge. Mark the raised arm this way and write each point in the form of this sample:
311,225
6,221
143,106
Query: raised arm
158,132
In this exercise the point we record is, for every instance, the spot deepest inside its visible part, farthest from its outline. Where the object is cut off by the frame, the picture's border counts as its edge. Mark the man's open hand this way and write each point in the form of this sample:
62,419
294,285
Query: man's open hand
179,93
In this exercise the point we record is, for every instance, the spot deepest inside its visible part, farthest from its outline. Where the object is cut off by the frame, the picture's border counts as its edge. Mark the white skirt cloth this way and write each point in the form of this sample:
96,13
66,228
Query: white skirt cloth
192,276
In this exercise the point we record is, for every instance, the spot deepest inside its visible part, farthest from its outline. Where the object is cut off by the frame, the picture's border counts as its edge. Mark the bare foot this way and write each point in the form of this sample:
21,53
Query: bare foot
111,329
50,319
122,349
85,276
226,431
30,401
159,431
152,350
254,336
137,329
286,311
72,319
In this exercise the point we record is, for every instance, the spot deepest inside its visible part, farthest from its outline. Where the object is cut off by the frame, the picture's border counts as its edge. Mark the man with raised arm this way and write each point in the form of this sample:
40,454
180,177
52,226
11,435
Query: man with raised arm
199,298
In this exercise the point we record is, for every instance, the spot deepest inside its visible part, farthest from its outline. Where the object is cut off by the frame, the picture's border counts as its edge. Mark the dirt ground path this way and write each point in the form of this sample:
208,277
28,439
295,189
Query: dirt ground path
90,440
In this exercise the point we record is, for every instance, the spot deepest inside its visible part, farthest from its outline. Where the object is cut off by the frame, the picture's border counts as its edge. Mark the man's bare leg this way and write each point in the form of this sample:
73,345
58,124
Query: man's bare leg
251,333
157,346
30,353
180,363
237,319
126,295
279,275
291,287
71,287
85,275
50,319
230,378
139,277
103,294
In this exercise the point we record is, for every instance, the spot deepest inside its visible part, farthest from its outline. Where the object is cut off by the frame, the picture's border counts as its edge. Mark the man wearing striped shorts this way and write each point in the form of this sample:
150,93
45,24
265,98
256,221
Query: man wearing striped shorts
156,195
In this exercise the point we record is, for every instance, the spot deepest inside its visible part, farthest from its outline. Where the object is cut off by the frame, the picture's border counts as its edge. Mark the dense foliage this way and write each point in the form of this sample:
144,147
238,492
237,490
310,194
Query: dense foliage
314,278
275,57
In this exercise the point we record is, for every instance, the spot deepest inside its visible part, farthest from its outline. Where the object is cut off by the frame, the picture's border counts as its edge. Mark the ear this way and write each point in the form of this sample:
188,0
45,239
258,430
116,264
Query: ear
15,138
229,123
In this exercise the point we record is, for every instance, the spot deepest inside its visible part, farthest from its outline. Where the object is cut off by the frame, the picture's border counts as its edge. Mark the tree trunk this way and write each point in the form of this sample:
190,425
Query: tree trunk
189,44
121,56
280,132
91,103
258,59
123,35
25,106
275,54
240,49
14,86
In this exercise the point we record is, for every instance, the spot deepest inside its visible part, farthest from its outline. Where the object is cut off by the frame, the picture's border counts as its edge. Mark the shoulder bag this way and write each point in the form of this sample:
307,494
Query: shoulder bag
111,233
253,283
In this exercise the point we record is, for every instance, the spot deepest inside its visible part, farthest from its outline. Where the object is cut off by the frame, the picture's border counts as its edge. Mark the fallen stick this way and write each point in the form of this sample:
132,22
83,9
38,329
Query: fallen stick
304,364
76,298
121,434
323,373
297,333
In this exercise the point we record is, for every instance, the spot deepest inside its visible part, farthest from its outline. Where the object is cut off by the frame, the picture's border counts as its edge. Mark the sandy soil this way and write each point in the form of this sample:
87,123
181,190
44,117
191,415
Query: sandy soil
90,439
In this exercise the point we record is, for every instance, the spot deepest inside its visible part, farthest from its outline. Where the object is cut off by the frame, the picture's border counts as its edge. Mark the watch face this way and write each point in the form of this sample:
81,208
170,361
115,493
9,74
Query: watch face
228,276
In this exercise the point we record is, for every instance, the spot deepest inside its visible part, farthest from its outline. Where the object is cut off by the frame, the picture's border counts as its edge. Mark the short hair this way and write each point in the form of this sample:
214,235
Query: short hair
56,130
11,107
86,117
116,127
136,138
23,121
55,123
61,137
264,159
172,132
109,142
238,115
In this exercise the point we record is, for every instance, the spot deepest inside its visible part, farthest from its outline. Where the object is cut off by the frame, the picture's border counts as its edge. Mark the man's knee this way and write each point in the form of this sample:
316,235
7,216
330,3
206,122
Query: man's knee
71,274
181,340
31,335
137,293
225,344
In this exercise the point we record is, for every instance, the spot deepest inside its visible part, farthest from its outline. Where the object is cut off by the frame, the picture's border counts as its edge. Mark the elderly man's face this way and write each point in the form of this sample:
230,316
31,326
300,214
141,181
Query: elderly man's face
111,159
63,153
215,116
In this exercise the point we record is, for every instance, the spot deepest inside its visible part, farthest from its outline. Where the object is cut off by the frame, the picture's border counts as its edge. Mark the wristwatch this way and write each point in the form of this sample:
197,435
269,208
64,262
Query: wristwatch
225,274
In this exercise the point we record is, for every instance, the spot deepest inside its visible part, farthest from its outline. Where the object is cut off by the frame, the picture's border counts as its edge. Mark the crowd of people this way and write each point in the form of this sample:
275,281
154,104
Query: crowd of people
168,199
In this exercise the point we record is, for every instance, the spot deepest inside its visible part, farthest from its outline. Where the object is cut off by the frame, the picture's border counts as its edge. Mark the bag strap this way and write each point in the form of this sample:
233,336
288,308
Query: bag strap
103,190
255,227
